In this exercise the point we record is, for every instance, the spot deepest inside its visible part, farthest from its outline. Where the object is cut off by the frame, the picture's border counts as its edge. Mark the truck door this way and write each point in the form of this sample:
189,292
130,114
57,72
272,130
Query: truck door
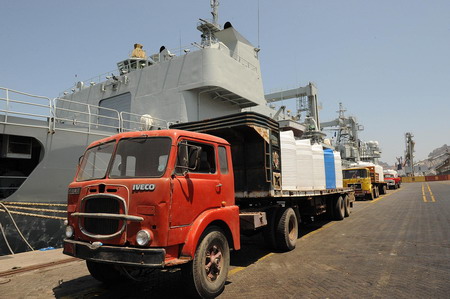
197,188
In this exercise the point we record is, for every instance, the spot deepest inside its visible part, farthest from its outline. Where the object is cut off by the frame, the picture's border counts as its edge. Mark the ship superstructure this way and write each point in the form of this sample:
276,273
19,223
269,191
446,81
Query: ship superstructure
218,76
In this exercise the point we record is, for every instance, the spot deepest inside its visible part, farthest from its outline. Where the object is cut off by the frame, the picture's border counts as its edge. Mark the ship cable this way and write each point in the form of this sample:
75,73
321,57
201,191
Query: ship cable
35,215
6,240
36,209
17,228
34,204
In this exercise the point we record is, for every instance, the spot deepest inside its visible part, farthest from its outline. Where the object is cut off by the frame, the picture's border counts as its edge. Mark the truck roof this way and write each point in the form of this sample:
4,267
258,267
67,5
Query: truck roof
173,133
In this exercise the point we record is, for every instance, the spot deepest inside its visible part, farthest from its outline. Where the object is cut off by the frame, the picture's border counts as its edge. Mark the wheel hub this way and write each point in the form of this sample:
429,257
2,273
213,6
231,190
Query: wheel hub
213,262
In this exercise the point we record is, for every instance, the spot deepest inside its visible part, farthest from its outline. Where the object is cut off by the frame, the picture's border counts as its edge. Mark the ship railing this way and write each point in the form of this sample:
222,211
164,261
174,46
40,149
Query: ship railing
91,81
138,122
85,118
15,103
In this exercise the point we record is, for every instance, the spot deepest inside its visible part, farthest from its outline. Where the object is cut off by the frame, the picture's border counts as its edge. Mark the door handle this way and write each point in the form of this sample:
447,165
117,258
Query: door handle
218,188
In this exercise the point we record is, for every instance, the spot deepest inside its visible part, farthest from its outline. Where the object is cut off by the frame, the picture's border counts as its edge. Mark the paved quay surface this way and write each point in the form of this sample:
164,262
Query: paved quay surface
397,246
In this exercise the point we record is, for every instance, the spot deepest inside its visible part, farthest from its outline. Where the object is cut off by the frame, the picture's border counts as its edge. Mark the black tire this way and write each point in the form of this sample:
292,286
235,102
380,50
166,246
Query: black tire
286,233
339,208
371,195
347,210
383,190
106,273
269,230
203,281
376,192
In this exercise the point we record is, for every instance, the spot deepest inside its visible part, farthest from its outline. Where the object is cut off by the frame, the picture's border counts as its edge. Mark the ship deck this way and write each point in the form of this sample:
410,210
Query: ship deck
397,246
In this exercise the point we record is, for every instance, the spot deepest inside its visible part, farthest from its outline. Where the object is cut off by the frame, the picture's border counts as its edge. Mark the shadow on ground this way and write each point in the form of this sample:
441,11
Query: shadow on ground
168,284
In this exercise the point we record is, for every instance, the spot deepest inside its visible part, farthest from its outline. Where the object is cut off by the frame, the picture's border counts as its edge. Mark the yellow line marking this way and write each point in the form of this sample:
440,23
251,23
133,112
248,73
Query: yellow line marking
431,193
238,269
318,230
424,197
235,270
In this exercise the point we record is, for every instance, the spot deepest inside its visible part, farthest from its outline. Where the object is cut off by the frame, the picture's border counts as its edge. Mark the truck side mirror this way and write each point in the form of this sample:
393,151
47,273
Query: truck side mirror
188,157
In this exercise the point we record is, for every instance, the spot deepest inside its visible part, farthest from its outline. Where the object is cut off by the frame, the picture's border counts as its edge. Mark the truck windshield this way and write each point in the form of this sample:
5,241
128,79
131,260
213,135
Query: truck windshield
95,162
141,157
355,173
388,175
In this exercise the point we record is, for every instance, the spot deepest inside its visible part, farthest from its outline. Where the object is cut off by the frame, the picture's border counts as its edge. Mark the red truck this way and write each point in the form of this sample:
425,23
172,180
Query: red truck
392,179
178,198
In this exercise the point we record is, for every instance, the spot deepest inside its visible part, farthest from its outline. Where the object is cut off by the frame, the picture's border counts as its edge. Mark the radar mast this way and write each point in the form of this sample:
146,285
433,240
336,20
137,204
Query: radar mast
208,28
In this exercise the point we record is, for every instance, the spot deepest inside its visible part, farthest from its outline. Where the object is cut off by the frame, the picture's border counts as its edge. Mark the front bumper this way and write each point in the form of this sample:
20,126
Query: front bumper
127,256
361,193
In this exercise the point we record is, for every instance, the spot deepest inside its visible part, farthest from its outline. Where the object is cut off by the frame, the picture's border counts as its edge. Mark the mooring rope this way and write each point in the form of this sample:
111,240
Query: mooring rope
15,224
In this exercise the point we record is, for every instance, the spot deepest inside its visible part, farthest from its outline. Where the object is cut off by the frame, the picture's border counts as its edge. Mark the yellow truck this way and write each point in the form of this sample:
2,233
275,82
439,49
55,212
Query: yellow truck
367,181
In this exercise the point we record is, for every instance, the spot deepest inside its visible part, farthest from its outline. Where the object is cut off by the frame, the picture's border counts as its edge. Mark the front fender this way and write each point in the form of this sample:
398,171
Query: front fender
228,216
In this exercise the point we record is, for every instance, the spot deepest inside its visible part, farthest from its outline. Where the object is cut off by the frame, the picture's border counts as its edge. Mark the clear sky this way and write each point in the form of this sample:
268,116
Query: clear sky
387,61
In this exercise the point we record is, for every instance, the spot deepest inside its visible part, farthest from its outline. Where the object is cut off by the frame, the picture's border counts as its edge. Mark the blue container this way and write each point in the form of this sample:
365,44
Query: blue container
330,173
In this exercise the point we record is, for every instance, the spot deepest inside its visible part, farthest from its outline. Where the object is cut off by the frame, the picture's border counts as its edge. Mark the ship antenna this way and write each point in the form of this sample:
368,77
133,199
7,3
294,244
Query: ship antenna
258,27
215,12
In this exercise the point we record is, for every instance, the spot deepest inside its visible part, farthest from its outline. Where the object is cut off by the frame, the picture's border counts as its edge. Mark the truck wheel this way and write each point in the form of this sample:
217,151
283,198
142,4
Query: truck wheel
383,189
339,208
286,230
105,273
376,192
347,210
206,275
370,196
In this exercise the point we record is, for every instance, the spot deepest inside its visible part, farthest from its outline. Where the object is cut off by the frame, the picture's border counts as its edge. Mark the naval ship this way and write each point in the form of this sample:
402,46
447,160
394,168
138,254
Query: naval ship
42,139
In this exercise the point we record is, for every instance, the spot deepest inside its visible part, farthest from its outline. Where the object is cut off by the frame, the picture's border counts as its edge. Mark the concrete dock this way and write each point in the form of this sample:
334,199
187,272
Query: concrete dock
397,246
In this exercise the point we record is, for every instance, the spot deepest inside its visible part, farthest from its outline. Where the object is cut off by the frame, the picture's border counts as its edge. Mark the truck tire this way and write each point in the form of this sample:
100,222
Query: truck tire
370,196
105,273
206,275
339,208
376,192
347,210
286,229
383,190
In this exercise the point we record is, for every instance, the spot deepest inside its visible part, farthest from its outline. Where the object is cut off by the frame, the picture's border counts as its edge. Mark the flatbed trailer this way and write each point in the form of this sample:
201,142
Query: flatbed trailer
256,152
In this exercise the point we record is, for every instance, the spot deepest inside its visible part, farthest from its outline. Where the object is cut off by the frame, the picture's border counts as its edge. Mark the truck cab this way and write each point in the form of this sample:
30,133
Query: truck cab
365,181
150,200
392,179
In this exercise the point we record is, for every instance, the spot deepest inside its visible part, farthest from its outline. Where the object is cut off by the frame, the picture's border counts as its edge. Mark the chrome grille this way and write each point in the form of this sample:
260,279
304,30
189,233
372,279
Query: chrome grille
355,186
102,226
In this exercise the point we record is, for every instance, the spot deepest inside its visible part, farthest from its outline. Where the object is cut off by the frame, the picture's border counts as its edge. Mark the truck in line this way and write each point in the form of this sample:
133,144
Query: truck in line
392,179
366,179
179,198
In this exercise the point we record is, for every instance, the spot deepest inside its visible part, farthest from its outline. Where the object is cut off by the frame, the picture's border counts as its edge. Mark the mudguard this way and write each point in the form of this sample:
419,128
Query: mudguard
228,216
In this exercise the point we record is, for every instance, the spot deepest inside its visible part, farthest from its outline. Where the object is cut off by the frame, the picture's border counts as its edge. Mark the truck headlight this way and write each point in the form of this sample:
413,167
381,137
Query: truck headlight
69,231
143,237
